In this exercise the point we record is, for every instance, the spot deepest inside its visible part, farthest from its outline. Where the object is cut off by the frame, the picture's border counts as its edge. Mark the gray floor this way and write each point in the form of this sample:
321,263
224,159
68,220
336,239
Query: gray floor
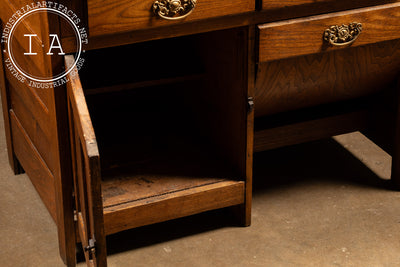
324,203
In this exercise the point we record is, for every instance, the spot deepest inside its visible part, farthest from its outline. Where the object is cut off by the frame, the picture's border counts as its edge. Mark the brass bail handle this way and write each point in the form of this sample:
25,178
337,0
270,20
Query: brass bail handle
174,9
343,35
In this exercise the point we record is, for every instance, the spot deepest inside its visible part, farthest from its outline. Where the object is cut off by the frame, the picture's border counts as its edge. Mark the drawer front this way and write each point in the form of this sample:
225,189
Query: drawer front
306,36
313,6
298,68
306,81
108,17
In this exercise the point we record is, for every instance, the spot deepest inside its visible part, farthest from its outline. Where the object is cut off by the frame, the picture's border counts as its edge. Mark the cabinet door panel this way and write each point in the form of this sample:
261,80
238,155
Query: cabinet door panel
86,174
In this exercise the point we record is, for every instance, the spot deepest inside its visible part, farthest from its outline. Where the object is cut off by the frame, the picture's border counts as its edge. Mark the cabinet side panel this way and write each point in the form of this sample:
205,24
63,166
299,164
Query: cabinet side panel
33,119
33,164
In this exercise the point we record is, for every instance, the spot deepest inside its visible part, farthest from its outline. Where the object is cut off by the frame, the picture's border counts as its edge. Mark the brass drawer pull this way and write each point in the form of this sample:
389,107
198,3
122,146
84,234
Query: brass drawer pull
343,35
174,9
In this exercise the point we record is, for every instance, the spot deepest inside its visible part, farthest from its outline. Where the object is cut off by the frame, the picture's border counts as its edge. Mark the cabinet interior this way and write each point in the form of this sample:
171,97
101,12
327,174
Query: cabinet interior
159,119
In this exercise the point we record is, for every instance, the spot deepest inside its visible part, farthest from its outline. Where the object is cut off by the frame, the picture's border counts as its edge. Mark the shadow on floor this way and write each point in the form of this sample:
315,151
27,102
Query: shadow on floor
322,161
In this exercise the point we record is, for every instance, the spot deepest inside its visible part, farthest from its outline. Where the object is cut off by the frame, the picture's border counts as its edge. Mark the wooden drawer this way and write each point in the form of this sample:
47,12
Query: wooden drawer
298,68
317,6
108,17
159,153
305,36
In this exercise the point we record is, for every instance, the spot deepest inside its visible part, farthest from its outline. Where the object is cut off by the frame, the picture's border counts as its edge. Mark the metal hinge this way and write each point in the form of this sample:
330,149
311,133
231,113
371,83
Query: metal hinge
250,104
91,248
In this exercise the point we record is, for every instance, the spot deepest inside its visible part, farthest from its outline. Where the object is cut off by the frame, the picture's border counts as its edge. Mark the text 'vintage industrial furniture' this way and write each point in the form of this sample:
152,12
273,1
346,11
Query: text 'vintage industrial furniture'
174,97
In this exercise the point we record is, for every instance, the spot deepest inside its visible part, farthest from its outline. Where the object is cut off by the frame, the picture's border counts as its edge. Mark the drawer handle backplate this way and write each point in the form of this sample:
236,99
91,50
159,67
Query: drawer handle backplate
343,35
174,9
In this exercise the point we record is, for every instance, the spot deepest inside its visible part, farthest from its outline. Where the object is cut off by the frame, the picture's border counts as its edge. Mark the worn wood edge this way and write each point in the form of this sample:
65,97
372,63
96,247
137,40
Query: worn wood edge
21,148
158,209
251,75
88,141
328,16
96,203
310,130
83,116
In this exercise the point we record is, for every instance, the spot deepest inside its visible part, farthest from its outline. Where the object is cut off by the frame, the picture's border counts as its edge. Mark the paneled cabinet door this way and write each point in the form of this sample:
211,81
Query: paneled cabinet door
86,174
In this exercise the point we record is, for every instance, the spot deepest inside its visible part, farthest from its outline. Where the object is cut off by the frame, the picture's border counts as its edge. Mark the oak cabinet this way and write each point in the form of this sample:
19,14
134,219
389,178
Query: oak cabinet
174,97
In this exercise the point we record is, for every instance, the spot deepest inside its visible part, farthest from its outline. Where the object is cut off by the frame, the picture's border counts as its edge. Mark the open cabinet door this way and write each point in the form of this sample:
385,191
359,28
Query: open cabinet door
86,173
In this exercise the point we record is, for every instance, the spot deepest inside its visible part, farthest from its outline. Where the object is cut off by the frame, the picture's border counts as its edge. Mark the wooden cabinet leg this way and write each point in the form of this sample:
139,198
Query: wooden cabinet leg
243,211
64,197
5,101
15,165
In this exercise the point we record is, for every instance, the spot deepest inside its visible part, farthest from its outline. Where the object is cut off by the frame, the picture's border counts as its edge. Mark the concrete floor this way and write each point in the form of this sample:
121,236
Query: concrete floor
324,203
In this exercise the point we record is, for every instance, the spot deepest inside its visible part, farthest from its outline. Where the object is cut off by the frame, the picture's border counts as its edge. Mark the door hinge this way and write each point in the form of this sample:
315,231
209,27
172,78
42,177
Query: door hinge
91,248
250,104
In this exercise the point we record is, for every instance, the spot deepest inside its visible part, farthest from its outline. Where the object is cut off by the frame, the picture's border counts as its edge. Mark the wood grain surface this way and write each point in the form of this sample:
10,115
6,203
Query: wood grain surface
110,17
304,36
299,82
33,164
309,130
173,205
87,173
294,5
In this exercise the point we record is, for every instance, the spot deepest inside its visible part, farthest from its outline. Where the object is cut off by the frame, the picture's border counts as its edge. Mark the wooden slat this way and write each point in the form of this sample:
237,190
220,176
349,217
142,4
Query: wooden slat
110,17
82,116
33,164
304,36
29,94
309,130
172,206
144,186
36,126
